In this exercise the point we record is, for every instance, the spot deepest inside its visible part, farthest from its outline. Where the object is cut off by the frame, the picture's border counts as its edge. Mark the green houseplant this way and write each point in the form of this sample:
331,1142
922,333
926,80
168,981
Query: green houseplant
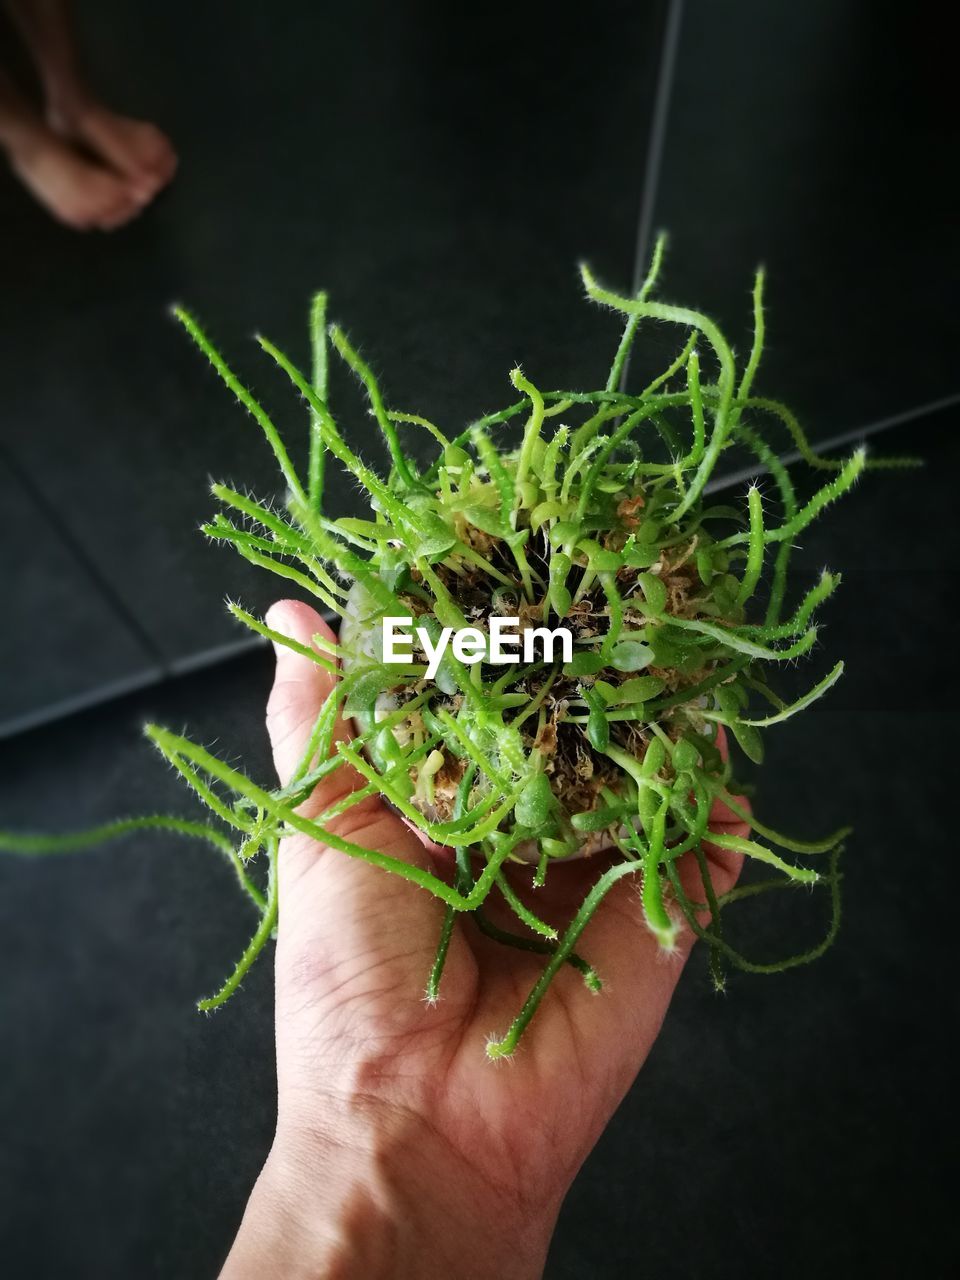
598,520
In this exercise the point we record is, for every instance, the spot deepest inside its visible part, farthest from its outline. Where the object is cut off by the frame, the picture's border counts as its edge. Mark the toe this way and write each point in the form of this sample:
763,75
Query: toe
143,190
164,161
119,215
171,164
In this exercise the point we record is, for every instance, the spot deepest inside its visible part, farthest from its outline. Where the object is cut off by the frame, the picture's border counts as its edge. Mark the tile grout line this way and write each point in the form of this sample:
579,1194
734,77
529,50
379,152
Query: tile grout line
59,526
841,438
225,652
107,693
657,138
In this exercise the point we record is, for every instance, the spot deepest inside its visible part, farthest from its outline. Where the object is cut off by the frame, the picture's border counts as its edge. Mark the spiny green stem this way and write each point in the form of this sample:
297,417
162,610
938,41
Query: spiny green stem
801,703
265,929
583,521
318,371
740,844
360,367
826,845
522,911
506,1046
754,566
277,637
252,405
618,368
831,879
530,437
536,945
42,846
756,349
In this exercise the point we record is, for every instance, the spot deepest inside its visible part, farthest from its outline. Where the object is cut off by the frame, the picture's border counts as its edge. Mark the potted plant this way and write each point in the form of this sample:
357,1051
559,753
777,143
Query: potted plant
595,524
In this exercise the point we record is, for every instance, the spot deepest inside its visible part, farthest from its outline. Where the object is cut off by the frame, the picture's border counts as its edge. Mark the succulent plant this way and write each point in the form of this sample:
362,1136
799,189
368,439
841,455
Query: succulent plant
597,520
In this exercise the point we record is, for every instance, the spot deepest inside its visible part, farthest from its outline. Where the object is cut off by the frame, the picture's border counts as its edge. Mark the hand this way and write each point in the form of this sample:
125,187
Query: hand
401,1150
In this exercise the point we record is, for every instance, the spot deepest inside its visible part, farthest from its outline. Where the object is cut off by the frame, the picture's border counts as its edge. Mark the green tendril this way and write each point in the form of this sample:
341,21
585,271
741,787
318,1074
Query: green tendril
581,508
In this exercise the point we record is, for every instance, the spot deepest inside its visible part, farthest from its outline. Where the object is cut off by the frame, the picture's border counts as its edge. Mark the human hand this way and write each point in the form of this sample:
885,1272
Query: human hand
401,1150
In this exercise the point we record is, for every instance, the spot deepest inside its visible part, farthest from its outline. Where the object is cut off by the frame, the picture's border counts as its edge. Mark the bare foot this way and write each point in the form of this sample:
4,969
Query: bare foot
137,150
79,193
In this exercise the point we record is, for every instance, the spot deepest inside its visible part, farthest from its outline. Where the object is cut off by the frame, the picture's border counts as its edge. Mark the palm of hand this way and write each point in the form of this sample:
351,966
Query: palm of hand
355,946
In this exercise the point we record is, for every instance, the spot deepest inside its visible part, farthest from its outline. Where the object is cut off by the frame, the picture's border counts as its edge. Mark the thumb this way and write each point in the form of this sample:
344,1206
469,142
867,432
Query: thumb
725,864
300,688
347,901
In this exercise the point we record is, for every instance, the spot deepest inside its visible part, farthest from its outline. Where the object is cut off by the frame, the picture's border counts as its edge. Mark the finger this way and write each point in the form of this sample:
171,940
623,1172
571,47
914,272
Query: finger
300,689
638,976
351,934
724,865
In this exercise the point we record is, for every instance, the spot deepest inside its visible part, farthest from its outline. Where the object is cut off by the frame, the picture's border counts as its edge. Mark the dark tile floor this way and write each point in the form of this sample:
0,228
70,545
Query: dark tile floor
443,193
814,138
60,621
439,179
802,1124
773,1129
